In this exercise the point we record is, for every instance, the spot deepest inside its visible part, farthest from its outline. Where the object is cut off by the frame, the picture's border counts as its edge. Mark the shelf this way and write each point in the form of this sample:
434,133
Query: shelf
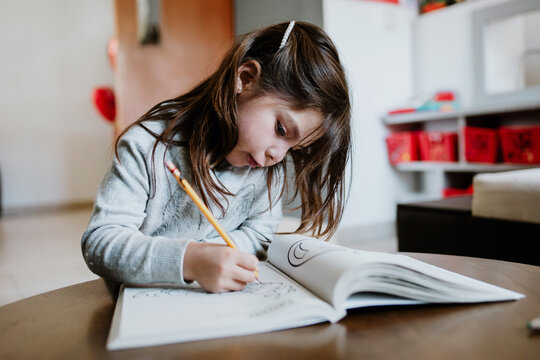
477,111
502,108
459,167
427,180
420,117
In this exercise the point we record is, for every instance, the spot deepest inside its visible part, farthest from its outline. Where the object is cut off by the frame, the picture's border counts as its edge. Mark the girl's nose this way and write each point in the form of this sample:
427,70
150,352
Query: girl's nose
276,153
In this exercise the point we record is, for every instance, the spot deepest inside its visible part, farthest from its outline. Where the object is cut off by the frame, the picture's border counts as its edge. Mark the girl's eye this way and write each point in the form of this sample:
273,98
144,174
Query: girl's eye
279,129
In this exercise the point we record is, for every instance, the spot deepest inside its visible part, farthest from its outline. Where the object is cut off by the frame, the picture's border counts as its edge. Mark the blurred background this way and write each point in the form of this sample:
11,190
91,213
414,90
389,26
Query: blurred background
74,73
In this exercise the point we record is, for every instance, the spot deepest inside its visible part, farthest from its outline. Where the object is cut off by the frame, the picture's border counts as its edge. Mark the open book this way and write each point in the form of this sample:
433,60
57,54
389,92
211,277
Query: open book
305,281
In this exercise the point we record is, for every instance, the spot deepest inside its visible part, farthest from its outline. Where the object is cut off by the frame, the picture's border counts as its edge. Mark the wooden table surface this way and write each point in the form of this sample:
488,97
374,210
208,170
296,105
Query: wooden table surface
73,323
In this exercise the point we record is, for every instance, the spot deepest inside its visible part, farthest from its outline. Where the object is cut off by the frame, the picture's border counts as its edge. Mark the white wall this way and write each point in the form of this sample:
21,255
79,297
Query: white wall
503,44
53,145
532,39
252,14
374,41
443,50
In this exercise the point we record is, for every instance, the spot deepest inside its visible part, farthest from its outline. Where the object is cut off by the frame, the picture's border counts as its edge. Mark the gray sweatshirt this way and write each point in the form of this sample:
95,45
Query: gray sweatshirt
138,238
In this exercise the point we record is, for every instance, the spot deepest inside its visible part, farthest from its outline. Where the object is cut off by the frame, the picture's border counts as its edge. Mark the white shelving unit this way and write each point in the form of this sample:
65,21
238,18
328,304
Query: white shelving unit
461,166
425,180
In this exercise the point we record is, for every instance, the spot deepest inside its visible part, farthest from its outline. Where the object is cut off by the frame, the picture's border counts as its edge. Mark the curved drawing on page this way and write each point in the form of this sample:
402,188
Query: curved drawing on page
269,290
304,250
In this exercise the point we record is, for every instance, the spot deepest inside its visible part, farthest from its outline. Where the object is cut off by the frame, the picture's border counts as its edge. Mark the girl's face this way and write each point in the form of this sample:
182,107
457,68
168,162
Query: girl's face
268,127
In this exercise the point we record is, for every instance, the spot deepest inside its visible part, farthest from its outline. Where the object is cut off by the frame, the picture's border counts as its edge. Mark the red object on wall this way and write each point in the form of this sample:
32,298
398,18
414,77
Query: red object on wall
520,145
481,144
432,6
104,102
402,147
438,146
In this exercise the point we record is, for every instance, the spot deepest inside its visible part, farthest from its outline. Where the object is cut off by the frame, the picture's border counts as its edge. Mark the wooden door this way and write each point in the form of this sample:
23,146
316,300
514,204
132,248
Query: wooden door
194,36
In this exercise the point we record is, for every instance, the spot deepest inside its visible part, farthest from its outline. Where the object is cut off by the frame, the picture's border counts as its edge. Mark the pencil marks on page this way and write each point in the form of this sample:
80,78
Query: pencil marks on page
265,299
166,292
304,250
268,290
267,310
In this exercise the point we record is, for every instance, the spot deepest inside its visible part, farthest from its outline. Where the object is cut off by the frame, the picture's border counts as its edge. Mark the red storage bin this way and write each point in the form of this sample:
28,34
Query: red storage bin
520,145
402,147
450,191
481,144
438,146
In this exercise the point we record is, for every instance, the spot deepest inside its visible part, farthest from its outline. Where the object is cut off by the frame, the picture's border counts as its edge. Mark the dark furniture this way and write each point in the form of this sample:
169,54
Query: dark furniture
448,227
73,323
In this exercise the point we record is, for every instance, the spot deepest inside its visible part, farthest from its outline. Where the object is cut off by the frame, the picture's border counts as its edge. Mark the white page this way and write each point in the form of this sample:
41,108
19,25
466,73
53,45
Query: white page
366,299
445,283
317,265
334,273
152,316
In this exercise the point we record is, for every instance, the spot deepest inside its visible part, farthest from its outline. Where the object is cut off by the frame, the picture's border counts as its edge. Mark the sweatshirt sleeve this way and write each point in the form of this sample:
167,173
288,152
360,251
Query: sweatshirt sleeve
113,246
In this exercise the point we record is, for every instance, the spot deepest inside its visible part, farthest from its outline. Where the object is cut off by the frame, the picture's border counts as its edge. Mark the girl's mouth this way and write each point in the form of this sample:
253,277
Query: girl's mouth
252,161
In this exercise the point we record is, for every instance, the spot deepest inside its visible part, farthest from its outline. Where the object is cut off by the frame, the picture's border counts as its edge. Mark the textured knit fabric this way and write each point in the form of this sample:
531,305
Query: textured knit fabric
140,237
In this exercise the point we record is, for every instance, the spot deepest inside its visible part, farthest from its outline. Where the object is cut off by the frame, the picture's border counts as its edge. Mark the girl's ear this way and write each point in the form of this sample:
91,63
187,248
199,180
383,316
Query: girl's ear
248,76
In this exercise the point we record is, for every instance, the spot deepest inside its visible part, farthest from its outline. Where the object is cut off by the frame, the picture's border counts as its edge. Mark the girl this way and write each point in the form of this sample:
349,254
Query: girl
279,96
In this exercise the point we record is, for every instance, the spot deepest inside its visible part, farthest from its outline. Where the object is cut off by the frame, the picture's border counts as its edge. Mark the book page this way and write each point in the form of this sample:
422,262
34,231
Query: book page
335,272
151,316
315,264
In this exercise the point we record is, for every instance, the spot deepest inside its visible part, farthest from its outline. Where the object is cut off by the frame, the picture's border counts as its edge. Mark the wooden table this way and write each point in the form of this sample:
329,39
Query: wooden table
73,323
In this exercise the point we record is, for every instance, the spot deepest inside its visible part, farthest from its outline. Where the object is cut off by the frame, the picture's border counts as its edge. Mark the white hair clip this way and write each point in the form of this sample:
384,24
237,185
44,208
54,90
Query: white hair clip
287,33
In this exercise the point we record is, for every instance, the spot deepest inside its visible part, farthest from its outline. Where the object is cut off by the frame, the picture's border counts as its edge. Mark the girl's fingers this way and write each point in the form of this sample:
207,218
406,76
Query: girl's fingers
248,261
225,269
237,285
230,285
243,275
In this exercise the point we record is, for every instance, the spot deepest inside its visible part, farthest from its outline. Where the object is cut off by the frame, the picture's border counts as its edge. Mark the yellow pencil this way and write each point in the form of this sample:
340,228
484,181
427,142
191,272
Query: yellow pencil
197,200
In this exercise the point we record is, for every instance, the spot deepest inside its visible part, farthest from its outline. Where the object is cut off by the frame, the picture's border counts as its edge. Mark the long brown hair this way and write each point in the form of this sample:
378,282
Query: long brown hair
305,72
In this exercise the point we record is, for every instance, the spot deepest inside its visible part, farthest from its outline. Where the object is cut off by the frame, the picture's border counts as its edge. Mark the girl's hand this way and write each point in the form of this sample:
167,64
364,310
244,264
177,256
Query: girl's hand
219,268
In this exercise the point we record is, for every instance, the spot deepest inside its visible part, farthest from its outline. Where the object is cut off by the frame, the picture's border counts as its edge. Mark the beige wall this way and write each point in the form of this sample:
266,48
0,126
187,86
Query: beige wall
54,147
